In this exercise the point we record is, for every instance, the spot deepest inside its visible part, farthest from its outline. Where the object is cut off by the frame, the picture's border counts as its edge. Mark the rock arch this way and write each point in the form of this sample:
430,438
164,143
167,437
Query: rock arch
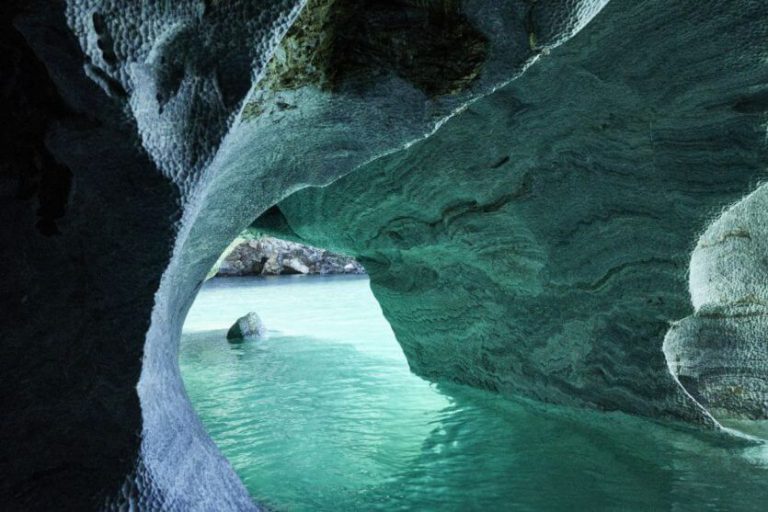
172,152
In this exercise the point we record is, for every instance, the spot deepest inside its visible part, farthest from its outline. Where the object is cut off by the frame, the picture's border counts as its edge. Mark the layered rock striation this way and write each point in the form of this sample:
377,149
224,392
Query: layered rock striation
576,149
719,352
539,244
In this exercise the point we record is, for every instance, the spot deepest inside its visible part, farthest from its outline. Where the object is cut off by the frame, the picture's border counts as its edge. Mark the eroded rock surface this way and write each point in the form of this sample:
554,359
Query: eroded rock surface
719,353
246,327
539,243
161,130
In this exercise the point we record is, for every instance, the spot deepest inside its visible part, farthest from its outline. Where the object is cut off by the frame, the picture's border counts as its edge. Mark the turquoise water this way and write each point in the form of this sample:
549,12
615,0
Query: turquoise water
325,415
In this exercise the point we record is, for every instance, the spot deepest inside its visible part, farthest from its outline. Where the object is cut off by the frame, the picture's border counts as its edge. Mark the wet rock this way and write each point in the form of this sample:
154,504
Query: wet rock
534,245
561,251
247,327
717,353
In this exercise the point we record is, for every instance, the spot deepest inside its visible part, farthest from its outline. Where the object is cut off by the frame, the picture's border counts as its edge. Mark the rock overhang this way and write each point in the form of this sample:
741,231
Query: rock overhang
216,150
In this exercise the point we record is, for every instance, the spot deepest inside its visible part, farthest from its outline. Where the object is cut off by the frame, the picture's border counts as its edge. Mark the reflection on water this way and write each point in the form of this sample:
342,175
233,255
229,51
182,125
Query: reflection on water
325,415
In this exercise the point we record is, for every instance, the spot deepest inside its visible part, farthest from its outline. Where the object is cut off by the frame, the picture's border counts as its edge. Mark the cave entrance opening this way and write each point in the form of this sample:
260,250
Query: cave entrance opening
320,390
322,412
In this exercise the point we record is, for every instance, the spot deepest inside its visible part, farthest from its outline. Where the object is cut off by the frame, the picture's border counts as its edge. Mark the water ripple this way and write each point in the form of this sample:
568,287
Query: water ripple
325,415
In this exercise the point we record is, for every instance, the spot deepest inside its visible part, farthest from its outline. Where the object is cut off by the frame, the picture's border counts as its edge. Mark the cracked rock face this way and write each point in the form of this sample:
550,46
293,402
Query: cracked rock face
162,129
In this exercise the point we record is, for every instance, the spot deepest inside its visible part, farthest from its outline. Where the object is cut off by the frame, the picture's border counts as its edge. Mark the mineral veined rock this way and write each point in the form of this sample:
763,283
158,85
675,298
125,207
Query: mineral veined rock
547,258
719,352
613,134
176,134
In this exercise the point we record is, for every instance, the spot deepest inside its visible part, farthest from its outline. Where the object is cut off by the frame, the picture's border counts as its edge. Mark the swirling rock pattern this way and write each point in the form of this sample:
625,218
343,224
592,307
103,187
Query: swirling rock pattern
719,353
162,129
539,244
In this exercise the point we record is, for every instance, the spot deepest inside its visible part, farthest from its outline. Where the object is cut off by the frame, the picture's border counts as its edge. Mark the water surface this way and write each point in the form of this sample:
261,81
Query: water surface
324,414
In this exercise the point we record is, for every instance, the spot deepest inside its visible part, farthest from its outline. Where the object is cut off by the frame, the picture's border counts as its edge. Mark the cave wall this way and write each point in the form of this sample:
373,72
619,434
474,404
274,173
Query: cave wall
76,197
160,130
535,242
539,243
284,138
80,192
718,352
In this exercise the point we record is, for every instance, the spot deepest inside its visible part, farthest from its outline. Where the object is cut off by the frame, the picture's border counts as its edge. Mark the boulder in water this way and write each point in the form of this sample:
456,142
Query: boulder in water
246,327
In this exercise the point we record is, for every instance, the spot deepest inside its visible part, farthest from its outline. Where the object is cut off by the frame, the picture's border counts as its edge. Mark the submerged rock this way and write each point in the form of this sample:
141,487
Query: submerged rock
249,326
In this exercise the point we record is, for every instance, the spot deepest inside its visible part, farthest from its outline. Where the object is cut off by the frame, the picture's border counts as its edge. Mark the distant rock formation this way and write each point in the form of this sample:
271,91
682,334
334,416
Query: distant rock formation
269,256
247,327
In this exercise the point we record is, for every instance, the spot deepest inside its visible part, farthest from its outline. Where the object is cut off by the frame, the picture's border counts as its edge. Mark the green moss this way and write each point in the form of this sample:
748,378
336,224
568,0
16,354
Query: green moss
303,56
